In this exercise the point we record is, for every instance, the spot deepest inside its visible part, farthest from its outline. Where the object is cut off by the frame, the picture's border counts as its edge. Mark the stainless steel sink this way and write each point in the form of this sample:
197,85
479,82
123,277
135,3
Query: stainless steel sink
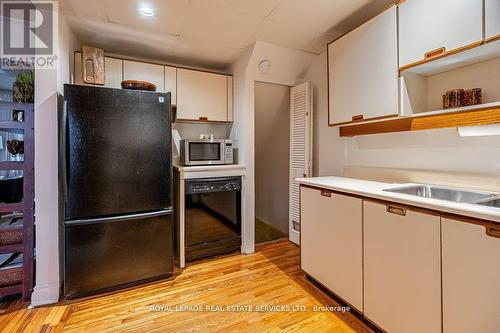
491,203
445,193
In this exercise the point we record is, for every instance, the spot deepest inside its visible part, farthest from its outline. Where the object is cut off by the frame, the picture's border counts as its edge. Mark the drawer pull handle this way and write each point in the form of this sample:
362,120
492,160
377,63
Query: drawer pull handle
326,193
435,53
493,232
203,118
396,210
358,117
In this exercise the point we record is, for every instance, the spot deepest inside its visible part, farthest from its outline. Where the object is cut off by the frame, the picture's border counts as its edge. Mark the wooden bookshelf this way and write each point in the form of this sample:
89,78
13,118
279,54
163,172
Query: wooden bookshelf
432,120
26,206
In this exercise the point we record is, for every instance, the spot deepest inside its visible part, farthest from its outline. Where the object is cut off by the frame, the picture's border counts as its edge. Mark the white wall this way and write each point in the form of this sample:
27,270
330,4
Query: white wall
272,150
328,146
47,84
288,67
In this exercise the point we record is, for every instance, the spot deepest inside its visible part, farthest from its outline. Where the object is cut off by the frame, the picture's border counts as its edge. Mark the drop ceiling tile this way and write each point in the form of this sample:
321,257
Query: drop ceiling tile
169,15
254,7
89,9
285,35
206,21
318,15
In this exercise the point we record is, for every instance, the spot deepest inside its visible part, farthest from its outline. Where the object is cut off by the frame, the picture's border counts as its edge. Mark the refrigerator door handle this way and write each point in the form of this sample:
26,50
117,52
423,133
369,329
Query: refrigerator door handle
119,218
62,153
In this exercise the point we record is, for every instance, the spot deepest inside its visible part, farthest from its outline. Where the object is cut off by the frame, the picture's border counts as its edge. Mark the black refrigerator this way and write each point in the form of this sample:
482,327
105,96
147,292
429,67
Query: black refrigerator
116,177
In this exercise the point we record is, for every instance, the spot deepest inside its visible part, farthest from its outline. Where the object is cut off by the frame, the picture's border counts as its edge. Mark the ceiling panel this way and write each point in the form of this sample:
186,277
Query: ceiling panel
253,7
88,9
169,15
284,35
220,24
317,15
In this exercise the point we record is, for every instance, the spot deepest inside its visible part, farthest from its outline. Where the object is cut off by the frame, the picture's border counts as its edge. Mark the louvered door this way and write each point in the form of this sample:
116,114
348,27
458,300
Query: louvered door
300,150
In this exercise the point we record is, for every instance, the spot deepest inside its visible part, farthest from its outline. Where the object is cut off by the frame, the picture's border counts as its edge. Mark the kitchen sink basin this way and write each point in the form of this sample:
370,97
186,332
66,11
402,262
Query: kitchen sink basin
491,203
447,194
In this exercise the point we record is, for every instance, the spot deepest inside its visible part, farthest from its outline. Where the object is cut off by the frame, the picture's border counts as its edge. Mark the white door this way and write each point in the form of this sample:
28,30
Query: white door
332,242
201,96
471,277
432,26
301,107
363,71
402,269
491,19
135,70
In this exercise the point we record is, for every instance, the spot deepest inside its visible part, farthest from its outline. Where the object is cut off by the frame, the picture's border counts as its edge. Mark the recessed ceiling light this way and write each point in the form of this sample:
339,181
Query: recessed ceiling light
146,11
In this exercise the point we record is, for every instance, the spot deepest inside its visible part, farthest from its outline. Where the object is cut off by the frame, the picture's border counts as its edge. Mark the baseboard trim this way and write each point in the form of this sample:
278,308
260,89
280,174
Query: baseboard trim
45,295
294,237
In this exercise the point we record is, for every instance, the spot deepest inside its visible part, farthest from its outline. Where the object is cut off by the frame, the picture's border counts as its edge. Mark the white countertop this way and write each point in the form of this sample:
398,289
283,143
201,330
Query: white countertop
375,190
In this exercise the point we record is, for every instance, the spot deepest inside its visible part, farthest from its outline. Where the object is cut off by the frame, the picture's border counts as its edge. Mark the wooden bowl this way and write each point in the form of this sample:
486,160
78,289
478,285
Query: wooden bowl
138,85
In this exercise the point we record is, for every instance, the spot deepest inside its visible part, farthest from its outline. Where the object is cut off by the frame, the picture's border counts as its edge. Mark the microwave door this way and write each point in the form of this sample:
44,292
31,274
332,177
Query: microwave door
199,153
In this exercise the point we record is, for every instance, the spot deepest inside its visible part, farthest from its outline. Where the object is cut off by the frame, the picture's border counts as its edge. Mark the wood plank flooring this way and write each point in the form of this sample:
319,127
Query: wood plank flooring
269,277
266,233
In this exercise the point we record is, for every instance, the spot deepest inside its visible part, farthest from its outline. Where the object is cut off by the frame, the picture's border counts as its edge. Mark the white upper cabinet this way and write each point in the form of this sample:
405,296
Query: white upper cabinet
135,70
113,69
471,277
402,269
428,28
171,83
363,71
492,19
201,96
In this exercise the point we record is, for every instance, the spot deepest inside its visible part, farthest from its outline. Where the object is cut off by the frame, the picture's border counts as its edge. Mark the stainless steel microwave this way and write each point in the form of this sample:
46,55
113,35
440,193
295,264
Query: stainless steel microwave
206,152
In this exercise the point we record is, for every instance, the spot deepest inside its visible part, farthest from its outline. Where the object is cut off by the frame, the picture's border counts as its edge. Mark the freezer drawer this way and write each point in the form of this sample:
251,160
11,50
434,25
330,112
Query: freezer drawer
113,252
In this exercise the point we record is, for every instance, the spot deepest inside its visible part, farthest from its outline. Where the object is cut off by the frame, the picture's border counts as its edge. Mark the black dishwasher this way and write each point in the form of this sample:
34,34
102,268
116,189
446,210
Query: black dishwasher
213,216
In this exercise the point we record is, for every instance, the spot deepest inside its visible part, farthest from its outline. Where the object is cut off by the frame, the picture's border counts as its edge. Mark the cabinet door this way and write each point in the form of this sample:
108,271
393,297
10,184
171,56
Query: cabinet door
492,19
134,70
363,71
113,69
201,95
402,274
171,83
331,242
471,278
230,107
426,26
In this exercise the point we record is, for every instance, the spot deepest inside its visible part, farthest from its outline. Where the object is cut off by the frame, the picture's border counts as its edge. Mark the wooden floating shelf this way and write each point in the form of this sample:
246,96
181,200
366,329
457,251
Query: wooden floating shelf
476,117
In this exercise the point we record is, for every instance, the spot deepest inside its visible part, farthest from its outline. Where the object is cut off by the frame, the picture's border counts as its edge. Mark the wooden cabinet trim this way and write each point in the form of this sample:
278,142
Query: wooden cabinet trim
440,55
361,120
492,39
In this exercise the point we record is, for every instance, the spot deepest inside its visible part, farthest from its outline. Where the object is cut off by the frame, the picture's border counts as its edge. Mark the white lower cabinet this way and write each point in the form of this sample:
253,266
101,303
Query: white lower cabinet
331,242
402,269
471,277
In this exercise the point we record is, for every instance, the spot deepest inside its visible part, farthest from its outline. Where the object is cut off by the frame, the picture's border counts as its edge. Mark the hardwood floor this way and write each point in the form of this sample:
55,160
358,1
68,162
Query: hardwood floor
271,276
267,233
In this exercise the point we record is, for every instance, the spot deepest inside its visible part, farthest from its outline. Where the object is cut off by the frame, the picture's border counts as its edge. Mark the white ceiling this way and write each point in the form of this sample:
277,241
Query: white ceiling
212,33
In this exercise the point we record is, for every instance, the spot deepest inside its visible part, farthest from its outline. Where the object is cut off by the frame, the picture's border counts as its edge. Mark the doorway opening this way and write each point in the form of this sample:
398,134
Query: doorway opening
272,156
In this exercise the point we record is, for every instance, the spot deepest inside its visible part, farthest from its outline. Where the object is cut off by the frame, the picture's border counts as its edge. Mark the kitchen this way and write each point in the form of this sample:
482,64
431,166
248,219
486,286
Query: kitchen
388,122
